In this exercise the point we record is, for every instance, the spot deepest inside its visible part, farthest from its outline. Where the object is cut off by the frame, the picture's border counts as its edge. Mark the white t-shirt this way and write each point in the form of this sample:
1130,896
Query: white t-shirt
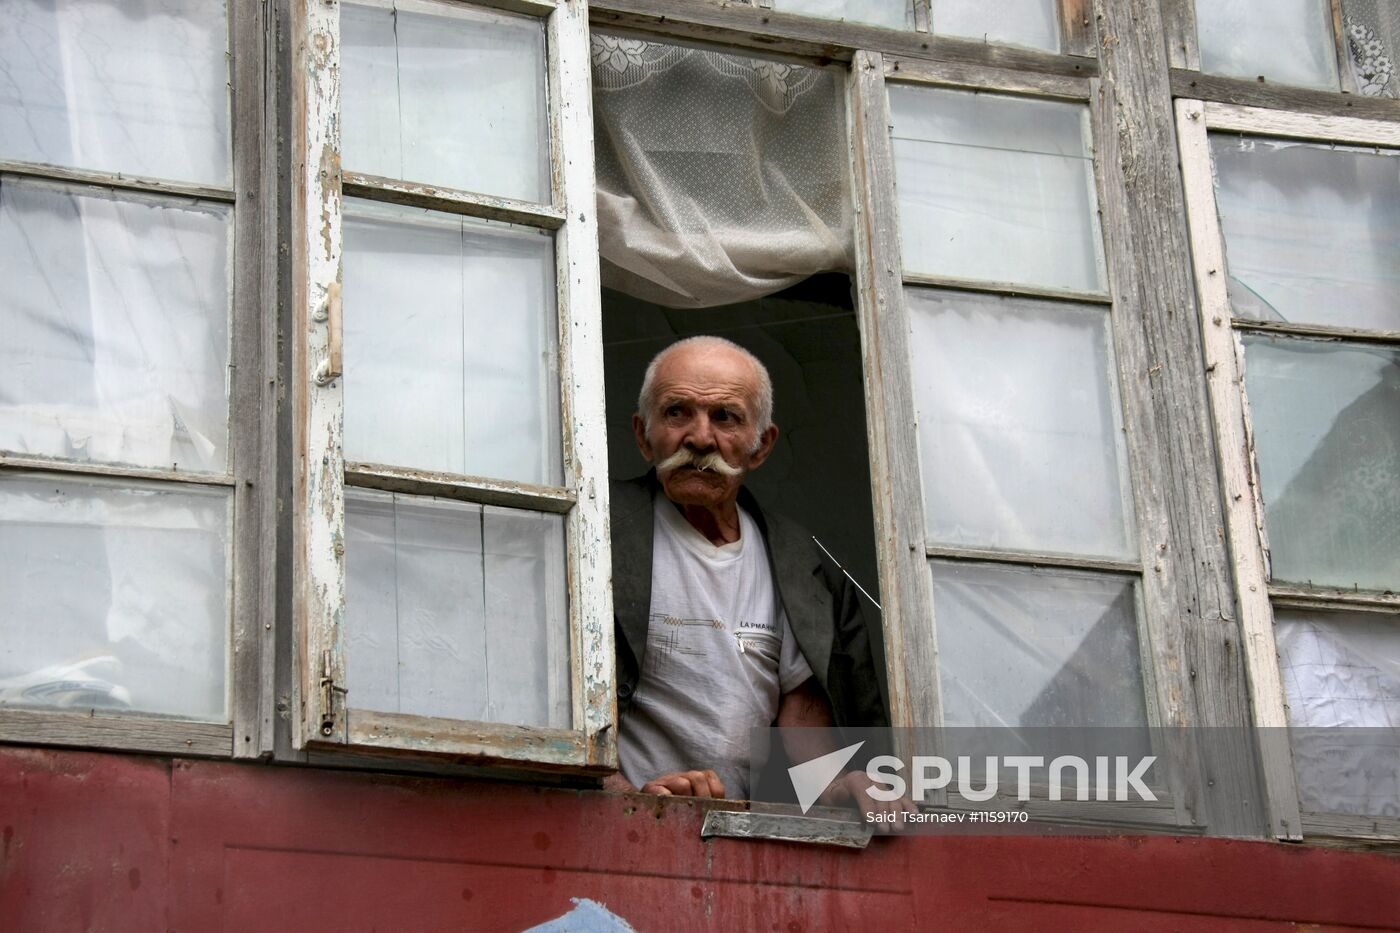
719,655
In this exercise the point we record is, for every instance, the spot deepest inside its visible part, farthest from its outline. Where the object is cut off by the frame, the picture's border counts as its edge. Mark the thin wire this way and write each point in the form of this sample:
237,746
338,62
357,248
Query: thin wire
848,574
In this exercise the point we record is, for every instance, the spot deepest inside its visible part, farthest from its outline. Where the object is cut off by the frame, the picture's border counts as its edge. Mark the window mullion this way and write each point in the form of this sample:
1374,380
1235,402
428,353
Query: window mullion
1243,511
905,584
581,382
318,412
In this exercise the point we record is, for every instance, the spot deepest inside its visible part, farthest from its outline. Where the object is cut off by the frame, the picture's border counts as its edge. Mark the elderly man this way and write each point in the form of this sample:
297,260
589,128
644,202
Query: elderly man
728,618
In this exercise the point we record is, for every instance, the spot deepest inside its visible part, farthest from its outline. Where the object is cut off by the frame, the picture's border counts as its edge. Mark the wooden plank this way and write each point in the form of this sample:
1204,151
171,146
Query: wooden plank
1026,558
922,21
1336,129
1188,597
906,586
984,78
1179,28
318,502
581,391
1193,84
1319,332
814,39
460,739
463,488
247,696
1339,39
1243,510
128,733
1007,289
1351,827
786,827
1322,599
19,462
1077,33
453,201
117,180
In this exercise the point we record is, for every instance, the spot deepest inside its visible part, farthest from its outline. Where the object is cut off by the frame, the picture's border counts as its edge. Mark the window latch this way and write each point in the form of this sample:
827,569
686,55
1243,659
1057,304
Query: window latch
333,365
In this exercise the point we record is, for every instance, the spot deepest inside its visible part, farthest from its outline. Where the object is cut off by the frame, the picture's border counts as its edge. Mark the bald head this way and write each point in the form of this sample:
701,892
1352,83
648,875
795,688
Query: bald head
694,348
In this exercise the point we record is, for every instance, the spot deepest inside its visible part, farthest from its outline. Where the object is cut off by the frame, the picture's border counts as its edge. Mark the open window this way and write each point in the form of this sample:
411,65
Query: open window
1295,239
451,500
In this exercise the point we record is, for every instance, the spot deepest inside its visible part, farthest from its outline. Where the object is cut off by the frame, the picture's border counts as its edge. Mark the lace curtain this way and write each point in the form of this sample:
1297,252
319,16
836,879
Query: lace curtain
1372,33
720,178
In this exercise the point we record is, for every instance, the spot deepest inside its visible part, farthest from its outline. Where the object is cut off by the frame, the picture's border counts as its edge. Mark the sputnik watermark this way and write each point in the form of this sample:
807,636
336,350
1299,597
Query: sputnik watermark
1103,777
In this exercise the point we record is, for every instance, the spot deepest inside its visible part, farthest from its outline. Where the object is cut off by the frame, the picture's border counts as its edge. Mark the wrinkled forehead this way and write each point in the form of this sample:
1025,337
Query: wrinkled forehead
706,375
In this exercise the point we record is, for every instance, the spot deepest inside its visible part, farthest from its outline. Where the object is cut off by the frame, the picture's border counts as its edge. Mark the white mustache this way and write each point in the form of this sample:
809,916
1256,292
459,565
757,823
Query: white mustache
710,461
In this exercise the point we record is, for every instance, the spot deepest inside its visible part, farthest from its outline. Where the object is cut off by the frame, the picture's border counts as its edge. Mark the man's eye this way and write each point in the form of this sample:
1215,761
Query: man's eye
724,414
673,411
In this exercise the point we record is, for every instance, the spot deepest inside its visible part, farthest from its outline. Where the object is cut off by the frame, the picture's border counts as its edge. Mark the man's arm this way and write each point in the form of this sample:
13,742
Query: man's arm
678,784
806,721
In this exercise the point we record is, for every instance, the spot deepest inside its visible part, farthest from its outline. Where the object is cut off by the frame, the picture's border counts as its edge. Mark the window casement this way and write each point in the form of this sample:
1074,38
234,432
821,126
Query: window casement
450,531
1013,512
132,450
1294,237
1242,47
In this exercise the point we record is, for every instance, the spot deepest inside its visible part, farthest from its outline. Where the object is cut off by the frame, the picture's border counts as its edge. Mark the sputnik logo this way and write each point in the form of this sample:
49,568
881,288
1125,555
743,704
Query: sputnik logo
811,778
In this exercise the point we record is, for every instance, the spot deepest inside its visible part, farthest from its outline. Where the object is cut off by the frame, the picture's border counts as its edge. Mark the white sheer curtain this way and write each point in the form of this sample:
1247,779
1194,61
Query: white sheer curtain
720,178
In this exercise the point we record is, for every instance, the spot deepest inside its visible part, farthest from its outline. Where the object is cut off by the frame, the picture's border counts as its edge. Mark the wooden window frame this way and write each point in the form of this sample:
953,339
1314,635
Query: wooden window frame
251,427
1224,362
912,645
321,721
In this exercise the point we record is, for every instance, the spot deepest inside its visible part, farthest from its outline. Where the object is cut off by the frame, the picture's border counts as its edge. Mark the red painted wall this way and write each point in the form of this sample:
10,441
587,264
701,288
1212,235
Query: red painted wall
98,842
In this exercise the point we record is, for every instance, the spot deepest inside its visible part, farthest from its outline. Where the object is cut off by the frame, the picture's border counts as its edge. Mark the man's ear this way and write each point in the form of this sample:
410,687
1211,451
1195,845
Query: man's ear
639,428
766,442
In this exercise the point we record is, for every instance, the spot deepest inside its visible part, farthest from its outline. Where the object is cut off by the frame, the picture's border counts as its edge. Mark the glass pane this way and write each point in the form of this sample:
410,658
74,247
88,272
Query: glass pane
1326,420
1032,23
451,340
1312,233
1342,669
132,86
456,610
447,96
114,597
995,189
114,312
1020,437
1030,647
1372,39
893,14
1283,41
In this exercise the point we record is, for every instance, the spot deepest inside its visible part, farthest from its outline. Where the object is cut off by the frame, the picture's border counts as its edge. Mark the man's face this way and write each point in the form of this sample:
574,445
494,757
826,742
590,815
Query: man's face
705,404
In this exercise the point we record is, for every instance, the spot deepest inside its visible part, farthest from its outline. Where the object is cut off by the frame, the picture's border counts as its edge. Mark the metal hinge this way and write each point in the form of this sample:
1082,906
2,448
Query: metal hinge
329,690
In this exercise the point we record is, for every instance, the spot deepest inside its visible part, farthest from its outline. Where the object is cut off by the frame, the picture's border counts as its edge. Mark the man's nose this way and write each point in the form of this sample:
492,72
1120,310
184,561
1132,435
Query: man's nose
701,435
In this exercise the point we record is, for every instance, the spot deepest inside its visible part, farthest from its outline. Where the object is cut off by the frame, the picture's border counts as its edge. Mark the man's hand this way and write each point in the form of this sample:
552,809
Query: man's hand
884,816
686,784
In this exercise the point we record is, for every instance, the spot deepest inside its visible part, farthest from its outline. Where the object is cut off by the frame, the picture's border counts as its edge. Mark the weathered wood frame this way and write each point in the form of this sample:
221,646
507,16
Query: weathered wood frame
1224,360
250,420
326,718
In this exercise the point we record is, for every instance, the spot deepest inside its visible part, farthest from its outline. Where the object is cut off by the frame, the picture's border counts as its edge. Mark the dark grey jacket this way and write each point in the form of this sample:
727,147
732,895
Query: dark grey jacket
822,606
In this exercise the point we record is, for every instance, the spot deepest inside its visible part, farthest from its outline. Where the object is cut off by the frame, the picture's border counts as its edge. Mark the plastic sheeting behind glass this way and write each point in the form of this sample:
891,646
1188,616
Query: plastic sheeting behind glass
1341,671
1020,646
1372,32
1020,436
892,14
1326,419
445,95
114,597
456,610
132,86
1033,23
721,178
1312,232
114,311
451,341
996,189
1283,41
